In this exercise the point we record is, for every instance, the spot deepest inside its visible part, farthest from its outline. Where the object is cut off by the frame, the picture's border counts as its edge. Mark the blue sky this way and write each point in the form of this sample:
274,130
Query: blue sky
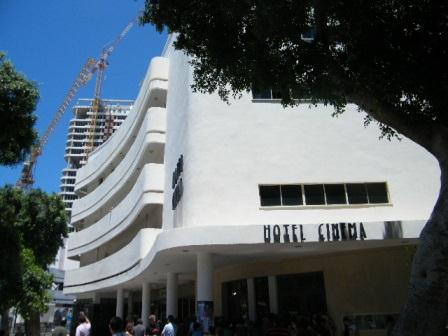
50,40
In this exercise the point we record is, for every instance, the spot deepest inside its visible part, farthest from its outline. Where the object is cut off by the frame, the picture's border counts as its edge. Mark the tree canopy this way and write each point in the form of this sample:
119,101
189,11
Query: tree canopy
388,57
18,100
32,227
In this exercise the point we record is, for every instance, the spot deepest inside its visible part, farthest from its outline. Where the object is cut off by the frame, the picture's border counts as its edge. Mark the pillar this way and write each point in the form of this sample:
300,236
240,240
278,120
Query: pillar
251,299
273,295
171,294
120,303
146,302
204,290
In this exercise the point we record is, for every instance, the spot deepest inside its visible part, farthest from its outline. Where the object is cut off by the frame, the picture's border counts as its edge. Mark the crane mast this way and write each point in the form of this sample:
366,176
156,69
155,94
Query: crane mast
91,67
96,104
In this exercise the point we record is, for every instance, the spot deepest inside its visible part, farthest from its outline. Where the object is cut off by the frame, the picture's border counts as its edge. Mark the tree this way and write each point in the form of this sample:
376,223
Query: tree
32,225
18,100
388,57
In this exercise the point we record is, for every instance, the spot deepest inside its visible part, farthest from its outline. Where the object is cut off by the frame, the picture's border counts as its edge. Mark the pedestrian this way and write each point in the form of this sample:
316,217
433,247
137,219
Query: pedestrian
139,329
60,330
83,329
153,328
129,329
116,326
168,330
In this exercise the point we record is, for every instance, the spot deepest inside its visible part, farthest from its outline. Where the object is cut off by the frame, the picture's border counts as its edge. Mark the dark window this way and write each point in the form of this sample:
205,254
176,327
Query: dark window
270,195
335,194
292,195
356,193
377,192
261,93
276,94
314,194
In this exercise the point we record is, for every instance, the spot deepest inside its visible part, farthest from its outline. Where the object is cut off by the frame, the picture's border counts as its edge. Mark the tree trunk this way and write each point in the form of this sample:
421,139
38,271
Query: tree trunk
426,309
32,325
5,322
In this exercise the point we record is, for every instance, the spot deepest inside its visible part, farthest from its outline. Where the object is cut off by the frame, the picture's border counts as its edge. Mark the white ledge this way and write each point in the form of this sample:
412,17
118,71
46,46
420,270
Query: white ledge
147,147
115,264
104,158
148,190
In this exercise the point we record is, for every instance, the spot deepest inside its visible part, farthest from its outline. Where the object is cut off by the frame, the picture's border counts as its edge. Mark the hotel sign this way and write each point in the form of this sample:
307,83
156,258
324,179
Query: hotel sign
294,233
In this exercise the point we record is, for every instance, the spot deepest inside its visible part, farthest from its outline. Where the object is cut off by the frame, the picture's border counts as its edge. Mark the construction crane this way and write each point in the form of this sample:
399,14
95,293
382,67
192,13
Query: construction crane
96,105
91,67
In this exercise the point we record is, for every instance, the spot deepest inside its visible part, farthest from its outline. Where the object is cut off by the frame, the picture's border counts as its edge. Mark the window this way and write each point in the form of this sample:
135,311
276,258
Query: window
314,194
335,194
270,195
265,93
323,194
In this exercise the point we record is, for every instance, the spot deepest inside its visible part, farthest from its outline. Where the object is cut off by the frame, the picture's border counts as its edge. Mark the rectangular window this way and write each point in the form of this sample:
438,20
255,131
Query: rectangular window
324,194
270,195
335,194
291,194
261,93
314,194
356,193
377,192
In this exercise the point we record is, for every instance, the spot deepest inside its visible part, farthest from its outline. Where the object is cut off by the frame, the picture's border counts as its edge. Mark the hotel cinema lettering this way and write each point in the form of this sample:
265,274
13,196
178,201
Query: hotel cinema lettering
294,233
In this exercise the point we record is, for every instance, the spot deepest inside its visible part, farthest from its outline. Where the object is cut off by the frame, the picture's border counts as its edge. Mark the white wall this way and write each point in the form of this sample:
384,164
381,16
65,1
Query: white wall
229,149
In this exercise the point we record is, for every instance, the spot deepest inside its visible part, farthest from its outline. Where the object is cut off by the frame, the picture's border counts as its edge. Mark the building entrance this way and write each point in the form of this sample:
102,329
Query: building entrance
298,294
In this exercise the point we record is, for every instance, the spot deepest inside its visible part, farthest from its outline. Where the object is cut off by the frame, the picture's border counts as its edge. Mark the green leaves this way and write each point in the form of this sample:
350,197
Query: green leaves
18,100
32,226
390,53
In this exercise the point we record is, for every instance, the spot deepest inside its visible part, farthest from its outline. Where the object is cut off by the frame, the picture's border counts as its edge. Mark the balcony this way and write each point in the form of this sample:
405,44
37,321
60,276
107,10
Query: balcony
148,147
121,264
144,200
105,158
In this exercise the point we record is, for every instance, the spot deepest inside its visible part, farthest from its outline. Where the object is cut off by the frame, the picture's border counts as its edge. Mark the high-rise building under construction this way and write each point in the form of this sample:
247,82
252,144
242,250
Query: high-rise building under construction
85,133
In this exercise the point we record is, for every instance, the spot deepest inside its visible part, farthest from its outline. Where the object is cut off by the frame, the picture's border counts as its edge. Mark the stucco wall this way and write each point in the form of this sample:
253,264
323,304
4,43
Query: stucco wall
229,149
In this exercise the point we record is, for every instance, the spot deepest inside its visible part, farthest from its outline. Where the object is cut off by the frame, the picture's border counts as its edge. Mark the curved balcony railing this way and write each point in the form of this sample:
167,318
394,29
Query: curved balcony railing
118,263
147,191
106,157
147,147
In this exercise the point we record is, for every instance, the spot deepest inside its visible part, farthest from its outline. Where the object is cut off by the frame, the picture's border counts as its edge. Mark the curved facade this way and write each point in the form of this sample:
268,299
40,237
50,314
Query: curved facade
226,207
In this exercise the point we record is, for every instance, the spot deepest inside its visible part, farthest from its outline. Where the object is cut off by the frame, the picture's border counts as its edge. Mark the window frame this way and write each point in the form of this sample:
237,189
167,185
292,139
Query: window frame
304,204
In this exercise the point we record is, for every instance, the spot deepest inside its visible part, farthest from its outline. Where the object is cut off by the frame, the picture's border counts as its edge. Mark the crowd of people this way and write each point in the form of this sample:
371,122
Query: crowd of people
270,325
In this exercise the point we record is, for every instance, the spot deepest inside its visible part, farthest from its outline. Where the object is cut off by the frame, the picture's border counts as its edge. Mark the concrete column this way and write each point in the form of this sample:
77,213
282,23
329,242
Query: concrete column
204,290
273,295
171,294
146,303
204,278
130,303
120,303
251,299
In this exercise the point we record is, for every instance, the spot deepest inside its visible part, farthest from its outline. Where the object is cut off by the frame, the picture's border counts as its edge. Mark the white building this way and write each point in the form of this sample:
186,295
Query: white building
112,113
246,208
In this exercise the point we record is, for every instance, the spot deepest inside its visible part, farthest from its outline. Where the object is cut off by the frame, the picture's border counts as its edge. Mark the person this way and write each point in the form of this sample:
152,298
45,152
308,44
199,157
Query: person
116,326
129,329
153,328
197,329
83,329
139,329
168,329
60,330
